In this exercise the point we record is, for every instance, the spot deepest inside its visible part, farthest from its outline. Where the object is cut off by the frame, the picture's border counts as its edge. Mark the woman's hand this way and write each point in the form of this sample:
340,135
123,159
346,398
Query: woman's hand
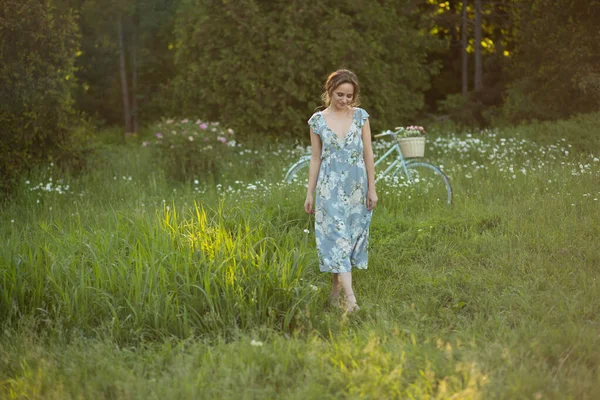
309,204
371,199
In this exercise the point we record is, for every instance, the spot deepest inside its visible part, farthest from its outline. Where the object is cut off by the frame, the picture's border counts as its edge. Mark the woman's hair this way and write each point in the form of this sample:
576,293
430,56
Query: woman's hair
336,79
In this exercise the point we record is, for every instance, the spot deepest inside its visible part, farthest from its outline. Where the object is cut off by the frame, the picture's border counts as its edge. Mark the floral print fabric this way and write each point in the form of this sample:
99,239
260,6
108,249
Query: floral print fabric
341,217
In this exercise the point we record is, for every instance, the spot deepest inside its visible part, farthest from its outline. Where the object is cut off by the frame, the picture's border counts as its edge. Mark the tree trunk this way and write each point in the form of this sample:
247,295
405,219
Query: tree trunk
463,47
124,87
134,81
478,38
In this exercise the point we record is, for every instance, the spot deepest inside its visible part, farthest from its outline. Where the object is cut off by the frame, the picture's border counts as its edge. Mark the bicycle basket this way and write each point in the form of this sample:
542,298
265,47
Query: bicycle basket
412,147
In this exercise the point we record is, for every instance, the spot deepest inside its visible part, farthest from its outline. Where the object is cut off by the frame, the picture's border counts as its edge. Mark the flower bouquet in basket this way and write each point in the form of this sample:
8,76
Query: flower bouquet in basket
412,141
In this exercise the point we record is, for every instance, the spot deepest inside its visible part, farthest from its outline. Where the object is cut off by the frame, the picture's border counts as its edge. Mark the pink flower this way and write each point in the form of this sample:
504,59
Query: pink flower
184,121
222,139
203,126
158,135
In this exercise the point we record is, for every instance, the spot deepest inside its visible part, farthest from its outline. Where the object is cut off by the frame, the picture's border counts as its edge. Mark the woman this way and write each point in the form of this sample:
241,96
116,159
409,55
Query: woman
342,171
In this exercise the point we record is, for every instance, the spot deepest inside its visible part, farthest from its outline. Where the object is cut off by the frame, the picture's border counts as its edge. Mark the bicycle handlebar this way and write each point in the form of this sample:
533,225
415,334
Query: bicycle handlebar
388,132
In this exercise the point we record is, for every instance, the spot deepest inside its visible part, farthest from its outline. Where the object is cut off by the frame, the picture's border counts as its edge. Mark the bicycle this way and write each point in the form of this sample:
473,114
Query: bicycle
417,172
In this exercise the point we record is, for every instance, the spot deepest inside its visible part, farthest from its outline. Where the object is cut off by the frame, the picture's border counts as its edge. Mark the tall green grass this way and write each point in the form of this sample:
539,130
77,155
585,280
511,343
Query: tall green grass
147,274
127,285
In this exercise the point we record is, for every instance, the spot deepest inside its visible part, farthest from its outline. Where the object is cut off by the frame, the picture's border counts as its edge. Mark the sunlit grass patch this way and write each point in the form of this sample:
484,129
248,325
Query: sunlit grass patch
202,272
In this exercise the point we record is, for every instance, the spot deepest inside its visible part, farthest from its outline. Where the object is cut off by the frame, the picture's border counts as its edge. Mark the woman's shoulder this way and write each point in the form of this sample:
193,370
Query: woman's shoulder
315,116
360,113
316,121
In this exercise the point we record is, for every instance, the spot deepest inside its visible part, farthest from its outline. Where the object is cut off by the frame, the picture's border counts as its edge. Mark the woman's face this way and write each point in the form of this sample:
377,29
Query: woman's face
342,96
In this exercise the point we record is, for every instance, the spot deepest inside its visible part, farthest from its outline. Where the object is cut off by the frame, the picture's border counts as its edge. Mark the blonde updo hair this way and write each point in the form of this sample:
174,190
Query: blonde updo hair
336,79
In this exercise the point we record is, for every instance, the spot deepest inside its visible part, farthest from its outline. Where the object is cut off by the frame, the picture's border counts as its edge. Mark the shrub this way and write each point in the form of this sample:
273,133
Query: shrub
469,112
553,69
38,48
189,149
259,66
458,108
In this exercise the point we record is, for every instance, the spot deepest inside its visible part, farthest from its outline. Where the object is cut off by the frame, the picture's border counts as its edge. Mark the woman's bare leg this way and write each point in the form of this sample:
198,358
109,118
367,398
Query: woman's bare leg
346,279
336,289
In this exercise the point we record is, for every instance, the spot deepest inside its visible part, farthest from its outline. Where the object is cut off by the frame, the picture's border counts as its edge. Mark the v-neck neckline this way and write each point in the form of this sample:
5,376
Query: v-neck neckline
347,131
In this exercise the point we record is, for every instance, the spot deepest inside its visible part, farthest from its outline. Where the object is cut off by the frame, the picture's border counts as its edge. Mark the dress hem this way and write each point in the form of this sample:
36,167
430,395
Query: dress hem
337,272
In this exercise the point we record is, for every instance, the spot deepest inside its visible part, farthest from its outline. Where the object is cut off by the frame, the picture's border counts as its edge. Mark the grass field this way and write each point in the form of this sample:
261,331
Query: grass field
121,284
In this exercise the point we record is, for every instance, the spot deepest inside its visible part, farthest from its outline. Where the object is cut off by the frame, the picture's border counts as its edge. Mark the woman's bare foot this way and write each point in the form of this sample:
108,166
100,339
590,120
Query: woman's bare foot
351,303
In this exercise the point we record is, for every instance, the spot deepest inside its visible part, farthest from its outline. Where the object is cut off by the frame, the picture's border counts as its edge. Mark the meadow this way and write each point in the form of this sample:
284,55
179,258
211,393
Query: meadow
121,283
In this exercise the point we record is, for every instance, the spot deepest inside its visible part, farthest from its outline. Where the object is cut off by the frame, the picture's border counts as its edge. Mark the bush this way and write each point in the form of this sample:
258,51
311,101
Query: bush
554,69
458,108
192,149
38,48
259,66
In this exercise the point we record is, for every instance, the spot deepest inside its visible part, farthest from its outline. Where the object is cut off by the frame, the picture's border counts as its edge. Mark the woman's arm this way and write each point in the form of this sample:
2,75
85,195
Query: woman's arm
313,172
369,164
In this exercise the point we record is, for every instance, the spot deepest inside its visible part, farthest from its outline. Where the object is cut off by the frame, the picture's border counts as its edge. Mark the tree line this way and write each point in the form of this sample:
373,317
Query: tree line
258,65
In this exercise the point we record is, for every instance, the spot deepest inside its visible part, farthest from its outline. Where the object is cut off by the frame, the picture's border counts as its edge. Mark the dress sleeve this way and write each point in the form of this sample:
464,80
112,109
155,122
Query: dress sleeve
316,123
361,117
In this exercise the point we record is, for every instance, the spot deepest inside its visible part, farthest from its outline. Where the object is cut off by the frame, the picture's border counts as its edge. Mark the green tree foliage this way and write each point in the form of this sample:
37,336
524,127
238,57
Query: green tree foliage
555,68
444,19
148,26
259,66
38,48
99,92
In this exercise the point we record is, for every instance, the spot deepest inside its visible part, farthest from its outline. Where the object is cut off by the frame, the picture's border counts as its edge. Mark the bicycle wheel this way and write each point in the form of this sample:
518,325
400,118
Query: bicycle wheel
298,171
425,183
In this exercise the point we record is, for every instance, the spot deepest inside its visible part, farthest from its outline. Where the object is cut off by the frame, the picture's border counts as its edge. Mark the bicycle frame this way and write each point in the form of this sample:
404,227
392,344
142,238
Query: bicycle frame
399,163
400,159
396,147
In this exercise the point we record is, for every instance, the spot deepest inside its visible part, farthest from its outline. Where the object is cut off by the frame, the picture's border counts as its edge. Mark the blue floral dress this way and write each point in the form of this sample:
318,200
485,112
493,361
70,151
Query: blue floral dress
341,216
